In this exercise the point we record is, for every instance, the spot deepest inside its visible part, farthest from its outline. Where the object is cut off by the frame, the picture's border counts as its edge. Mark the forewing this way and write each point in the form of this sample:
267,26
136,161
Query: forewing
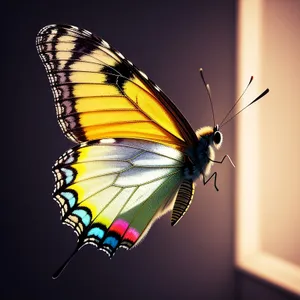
100,94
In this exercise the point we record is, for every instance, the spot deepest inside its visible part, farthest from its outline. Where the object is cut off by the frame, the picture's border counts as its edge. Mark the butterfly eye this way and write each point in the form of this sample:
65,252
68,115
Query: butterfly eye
217,138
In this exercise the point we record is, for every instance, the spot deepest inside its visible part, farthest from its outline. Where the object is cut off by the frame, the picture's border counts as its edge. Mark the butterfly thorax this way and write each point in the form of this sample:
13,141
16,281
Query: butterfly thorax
200,158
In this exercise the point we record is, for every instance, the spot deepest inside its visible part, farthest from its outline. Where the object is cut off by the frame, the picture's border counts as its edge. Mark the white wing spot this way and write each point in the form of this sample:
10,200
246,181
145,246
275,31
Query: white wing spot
105,44
143,74
48,27
157,88
86,32
129,62
120,54
107,141
74,27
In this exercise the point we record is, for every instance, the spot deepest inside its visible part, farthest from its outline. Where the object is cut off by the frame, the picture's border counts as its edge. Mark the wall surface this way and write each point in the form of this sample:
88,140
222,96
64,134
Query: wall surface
169,41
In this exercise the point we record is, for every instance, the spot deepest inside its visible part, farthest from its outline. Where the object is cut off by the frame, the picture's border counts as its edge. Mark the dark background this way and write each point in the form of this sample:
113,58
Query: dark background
169,41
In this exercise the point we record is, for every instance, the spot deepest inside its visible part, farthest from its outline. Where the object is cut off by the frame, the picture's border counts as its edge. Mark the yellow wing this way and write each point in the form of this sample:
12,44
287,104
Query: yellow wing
100,94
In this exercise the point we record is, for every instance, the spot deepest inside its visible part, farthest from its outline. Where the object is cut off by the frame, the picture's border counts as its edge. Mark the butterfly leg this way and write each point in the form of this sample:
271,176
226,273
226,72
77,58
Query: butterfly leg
205,181
220,162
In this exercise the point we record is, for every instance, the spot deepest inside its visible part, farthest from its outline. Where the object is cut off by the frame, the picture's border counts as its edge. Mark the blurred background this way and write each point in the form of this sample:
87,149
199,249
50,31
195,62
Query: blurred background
267,206
230,242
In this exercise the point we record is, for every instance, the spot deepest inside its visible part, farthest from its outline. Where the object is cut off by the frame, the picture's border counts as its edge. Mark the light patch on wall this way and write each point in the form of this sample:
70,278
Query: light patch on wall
268,189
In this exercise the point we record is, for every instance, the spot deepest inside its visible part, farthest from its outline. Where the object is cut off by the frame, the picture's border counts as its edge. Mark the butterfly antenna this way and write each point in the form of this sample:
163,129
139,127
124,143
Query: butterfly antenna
209,94
256,99
237,101
63,266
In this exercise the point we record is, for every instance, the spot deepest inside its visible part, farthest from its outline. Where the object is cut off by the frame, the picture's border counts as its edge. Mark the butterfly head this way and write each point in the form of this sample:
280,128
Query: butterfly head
217,137
212,135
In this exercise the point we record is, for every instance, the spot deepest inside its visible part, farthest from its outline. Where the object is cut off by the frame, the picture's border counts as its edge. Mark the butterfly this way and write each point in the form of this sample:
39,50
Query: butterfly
136,157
